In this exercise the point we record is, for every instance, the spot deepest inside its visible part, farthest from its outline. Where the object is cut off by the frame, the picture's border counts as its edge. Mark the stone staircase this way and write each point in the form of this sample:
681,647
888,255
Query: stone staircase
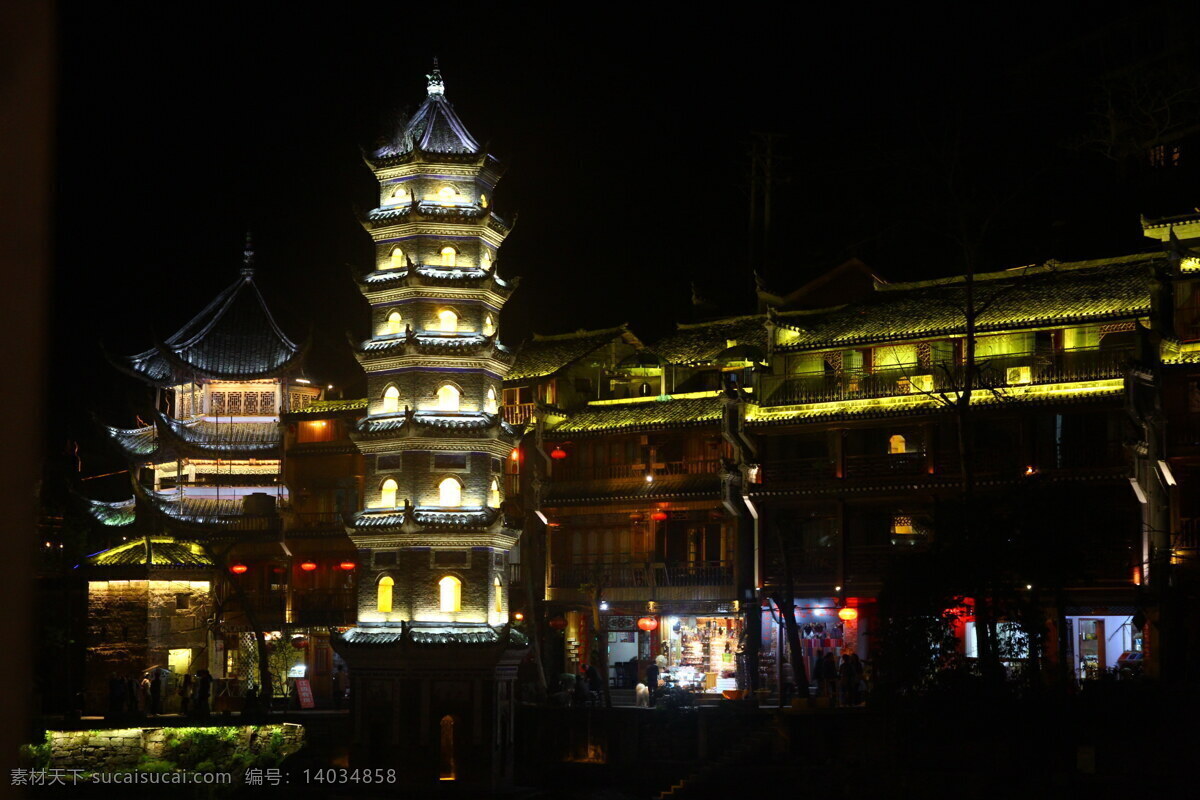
726,775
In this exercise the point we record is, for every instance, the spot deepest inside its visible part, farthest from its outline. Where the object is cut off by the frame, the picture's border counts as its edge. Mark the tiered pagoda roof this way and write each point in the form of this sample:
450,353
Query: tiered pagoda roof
604,416
155,551
171,438
434,128
235,337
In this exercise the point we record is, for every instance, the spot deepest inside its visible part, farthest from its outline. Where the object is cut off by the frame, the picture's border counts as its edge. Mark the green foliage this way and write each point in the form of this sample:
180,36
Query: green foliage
148,764
37,756
675,699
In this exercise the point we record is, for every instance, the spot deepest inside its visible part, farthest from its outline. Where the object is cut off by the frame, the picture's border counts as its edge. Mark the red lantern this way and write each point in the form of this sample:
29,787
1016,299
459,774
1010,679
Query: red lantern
515,454
658,516
647,624
348,566
558,454
848,614
239,569
308,566
300,642
558,623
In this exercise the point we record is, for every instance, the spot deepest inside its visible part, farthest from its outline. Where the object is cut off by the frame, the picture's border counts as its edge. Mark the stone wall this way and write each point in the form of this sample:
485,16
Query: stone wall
118,749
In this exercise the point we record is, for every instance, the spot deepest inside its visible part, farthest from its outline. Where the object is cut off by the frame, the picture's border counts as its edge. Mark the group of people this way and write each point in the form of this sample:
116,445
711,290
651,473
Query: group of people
127,696
844,682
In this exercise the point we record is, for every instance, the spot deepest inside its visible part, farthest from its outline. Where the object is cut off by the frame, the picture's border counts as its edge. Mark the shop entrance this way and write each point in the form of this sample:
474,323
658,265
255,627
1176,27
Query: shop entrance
700,652
1099,641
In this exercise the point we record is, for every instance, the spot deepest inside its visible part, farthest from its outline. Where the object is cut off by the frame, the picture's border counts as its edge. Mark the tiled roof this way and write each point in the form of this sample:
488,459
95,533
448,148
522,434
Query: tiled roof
428,517
234,337
655,413
135,442
442,634
333,406
1071,294
115,515
156,551
425,209
545,355
700,343
435,128
239,436
663,487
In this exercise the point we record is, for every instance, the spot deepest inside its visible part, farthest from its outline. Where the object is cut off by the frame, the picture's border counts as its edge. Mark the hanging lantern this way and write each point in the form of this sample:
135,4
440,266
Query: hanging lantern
847,614
308,566
659,516
515,454
348,566
518,616
239,569
647,624
558,454
558,623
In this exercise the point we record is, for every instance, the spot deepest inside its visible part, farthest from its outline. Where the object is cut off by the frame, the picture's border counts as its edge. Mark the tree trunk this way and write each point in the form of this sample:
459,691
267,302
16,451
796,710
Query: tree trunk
536,624
599,645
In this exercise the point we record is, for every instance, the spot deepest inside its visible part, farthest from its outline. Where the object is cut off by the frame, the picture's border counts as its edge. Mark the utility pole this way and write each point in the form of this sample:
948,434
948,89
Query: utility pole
765,173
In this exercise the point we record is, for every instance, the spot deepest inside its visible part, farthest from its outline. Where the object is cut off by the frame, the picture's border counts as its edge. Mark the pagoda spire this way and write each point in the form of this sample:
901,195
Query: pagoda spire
436,87
248,256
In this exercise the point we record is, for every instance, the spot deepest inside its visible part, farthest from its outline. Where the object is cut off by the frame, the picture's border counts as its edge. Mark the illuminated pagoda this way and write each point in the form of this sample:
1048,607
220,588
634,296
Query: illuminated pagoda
432,658
206,483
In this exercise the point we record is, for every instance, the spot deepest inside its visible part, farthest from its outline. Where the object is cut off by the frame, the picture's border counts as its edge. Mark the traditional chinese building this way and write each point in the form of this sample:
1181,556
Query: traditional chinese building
204,562
432,656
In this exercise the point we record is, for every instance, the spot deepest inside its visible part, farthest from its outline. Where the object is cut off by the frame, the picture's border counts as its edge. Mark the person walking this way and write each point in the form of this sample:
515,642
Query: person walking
829,677
203,692
185,693
156,692
652,681
787,680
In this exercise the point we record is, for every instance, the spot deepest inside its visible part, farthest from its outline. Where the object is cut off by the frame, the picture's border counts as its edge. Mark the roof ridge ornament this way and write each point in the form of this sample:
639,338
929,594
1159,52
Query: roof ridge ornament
248,257
436,87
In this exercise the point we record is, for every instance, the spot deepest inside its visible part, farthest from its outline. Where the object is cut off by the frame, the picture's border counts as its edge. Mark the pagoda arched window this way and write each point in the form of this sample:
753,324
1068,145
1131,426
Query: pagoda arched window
489,325
897,444
394,323
485,260
449,397
498,596
399,194
397,259
494,494
391,399
450,493
449,256
447,195
447,321
383,595
489,401
483,200
387,493
449,594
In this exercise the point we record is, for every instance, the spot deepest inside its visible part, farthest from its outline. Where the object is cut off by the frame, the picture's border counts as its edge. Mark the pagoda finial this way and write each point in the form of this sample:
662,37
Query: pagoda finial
436,87
248,256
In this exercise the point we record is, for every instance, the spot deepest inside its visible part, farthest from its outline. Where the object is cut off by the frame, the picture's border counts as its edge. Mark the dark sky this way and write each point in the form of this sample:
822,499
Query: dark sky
626,136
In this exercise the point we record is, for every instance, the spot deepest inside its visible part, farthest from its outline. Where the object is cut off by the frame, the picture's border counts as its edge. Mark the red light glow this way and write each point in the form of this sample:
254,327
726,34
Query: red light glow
558,454
647,624
658,516
308,566
348,566
239,569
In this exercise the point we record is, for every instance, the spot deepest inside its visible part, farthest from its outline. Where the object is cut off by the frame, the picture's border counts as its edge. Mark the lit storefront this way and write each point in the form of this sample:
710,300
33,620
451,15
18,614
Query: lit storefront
825,627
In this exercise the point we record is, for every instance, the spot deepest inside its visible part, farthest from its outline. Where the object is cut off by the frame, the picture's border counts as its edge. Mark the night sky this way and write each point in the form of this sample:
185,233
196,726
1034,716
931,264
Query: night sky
626,138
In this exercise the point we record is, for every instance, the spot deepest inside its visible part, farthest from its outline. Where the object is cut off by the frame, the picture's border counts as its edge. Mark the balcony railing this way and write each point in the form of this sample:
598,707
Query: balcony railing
568,471
882,466
994,373
518,414
799,469
630,575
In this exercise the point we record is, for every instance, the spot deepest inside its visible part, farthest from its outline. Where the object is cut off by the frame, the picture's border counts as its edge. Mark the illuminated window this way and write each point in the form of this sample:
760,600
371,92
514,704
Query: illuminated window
494,494
388,494
447,194
483,201
897,444
391,400
394,322
498,602
383,595
399,195
448,397
448,256
489,325
450,493
486,260
397,258
489,402
450,594
448,320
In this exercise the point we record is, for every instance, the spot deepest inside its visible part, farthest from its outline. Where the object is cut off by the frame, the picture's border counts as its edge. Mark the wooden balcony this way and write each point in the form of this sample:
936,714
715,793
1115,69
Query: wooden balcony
567,471
324,607
518,414
641,581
